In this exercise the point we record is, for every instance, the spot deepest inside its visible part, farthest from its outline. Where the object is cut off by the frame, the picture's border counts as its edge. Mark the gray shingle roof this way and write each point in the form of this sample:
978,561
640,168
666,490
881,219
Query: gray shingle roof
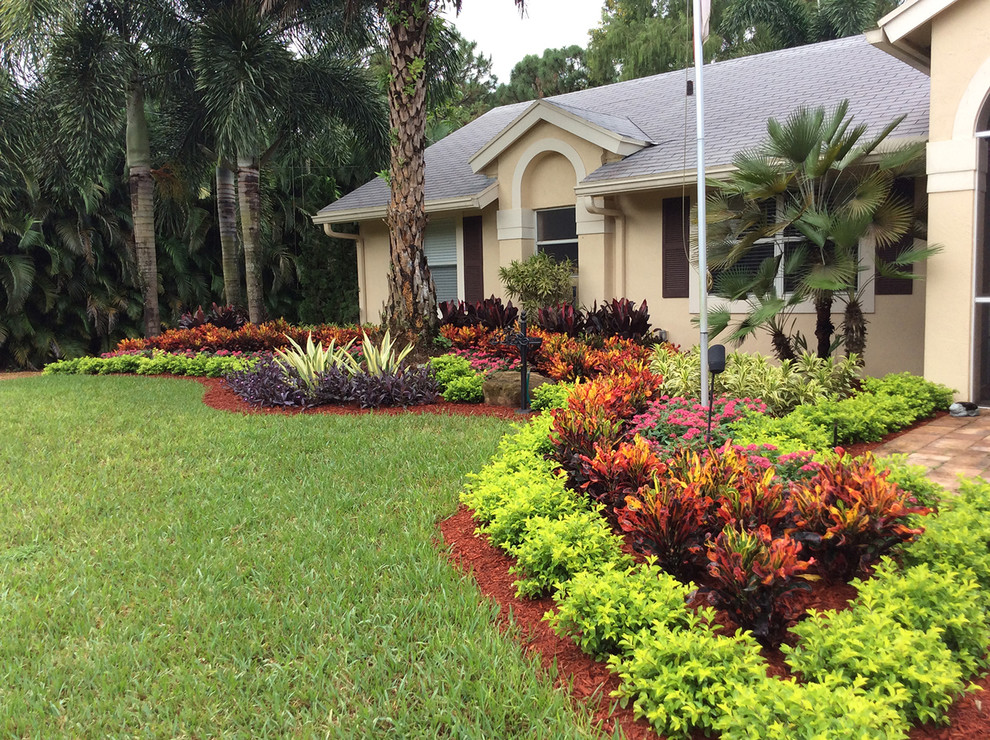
740,94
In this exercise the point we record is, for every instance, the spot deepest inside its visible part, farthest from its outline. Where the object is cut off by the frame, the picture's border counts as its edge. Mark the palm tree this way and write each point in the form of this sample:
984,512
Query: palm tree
788,224
412,300
97,58
267,73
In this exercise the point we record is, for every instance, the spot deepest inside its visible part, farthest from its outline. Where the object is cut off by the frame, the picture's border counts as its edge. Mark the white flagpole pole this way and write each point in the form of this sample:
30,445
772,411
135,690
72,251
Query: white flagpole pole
699,92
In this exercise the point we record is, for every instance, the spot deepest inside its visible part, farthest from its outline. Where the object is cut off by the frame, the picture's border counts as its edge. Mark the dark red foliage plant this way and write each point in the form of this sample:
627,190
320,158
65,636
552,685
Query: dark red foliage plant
669,520
755,577
613,474
593,419
849,514
620,318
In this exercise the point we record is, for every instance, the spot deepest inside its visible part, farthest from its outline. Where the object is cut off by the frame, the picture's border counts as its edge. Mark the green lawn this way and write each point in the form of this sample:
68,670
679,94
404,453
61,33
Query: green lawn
169,570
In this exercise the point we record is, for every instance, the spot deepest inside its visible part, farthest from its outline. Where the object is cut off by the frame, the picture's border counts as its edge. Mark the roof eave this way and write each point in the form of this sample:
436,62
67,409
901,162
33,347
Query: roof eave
474,201
902,49
648,182
666,180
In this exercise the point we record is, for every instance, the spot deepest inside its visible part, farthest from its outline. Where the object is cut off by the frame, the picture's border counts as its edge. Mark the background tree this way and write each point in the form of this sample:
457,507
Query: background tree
637,38
68,275
96,59
554,72
259,93
820,192
752,26
472,94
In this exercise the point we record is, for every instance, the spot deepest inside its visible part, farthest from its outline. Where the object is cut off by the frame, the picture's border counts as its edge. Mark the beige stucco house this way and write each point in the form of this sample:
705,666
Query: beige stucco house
949,41
607,176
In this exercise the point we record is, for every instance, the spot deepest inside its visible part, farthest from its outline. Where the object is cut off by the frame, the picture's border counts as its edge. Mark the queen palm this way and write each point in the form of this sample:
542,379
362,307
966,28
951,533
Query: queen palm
267,73
815,194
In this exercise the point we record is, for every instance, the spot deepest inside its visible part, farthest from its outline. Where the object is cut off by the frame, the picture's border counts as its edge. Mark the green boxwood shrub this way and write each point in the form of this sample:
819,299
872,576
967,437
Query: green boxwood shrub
597,609
958,538
465,389
447,368
832,709
534,492
913,667
862,418
919,598
550,396
159,363
553,551
921,397
790,433
681,679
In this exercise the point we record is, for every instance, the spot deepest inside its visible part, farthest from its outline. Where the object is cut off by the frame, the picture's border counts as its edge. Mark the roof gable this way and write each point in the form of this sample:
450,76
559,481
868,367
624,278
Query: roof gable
616,134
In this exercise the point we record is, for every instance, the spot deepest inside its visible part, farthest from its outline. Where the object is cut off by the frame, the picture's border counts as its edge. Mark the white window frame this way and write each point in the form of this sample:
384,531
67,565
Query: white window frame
458,259
780,242
551,242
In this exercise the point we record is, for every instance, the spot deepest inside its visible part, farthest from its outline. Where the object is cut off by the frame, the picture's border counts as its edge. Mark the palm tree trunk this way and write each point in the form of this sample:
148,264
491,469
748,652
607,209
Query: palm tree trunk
142,189
227,221
824,328
854,330
249,195
412,296
782,345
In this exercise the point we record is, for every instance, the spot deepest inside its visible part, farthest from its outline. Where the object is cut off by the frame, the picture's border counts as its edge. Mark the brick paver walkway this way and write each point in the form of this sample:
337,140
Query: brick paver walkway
948,447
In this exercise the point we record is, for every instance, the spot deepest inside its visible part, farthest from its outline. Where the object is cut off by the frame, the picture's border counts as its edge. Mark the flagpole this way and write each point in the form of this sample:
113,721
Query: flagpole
700,19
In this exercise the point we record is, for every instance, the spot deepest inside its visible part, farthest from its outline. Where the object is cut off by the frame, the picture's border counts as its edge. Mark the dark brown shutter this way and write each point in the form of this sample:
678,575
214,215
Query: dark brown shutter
903,188
674,233
474,269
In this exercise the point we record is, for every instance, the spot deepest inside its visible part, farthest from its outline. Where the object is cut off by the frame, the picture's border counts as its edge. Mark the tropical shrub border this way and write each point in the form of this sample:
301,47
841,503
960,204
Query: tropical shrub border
918,629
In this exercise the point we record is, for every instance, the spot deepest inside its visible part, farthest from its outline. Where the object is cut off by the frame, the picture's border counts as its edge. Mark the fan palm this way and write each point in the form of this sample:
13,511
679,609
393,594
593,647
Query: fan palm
819,192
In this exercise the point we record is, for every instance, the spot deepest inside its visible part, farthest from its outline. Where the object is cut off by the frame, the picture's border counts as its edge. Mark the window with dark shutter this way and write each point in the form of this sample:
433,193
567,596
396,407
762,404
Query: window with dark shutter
474,271
440,246
903,188
674,236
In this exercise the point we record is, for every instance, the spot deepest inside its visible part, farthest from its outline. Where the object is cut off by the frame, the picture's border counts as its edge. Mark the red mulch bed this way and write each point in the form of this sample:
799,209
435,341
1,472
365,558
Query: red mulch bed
590,681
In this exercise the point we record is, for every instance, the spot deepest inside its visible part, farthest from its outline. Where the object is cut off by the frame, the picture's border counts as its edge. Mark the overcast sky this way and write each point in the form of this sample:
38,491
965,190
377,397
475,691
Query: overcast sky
507,37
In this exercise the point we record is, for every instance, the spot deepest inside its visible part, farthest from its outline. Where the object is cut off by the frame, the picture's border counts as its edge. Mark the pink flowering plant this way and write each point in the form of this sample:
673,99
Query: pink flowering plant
486,361
675,422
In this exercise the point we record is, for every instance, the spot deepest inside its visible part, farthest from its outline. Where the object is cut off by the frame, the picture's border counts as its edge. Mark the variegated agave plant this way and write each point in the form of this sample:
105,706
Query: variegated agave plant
314,360
383,359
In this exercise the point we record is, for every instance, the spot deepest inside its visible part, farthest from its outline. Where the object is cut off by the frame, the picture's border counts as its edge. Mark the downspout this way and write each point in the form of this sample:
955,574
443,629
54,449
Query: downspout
362,272
590,205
